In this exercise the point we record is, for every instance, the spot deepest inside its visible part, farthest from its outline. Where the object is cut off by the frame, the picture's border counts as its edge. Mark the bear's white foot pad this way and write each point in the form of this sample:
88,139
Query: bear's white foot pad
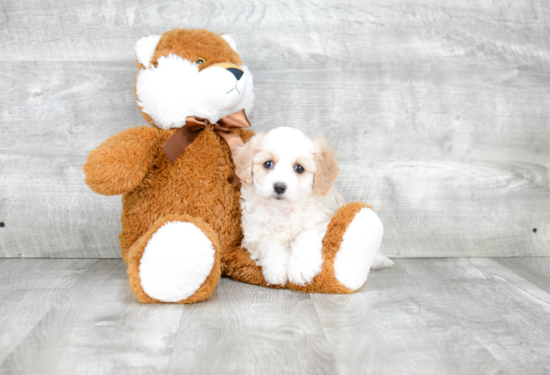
358,249
176,261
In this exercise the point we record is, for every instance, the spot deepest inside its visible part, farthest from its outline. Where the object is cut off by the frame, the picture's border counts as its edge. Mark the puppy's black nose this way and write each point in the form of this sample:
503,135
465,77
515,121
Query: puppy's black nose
279,187
236,72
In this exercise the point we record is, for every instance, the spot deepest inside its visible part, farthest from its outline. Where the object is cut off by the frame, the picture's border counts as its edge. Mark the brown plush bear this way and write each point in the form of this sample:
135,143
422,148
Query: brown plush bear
180,205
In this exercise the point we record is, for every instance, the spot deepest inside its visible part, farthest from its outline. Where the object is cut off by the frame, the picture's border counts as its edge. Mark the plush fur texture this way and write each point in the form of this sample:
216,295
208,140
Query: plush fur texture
135,254
175,83
120,163
358,249
287,202
176,261
241,267
193,192
175,89
145,49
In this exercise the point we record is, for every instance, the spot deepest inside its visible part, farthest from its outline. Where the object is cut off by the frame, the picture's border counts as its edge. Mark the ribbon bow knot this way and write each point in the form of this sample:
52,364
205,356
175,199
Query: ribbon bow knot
184,136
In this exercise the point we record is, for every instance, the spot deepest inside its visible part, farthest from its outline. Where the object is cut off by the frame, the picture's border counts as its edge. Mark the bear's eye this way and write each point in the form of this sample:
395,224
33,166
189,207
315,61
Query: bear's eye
200,61
268,164
299,169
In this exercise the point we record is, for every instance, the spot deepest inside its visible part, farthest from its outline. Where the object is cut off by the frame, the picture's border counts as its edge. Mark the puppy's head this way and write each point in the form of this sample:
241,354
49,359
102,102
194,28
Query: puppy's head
285,165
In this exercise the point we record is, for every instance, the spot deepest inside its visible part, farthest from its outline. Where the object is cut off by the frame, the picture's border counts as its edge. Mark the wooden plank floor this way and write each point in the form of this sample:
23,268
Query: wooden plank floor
423,316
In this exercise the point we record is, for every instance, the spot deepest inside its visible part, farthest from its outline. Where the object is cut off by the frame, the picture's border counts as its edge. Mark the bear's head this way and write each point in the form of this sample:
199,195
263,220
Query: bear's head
190,73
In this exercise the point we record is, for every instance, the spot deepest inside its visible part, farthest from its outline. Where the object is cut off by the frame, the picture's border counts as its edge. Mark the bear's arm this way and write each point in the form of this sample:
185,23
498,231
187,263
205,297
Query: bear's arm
120,163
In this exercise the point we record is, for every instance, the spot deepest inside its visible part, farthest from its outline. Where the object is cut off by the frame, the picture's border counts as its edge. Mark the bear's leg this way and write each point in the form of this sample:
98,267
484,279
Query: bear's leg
349,249
177,260
358,231
359,244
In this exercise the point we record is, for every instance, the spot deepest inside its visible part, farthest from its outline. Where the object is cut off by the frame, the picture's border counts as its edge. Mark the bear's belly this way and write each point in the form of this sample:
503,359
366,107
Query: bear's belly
197,184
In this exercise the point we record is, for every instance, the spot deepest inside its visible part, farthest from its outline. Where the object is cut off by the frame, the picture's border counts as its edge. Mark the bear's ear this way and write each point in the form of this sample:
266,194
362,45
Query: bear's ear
327,168
229,39
145,49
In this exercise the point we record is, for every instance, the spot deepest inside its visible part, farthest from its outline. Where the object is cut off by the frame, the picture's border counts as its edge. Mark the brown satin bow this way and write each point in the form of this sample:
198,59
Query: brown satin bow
184,136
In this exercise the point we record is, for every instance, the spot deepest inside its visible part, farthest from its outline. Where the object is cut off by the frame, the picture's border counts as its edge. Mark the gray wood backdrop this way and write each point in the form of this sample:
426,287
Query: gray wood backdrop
440,110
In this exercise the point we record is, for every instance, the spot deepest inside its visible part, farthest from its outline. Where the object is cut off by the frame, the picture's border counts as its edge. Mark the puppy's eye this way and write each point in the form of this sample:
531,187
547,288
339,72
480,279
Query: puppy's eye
299,169
268,164
200,61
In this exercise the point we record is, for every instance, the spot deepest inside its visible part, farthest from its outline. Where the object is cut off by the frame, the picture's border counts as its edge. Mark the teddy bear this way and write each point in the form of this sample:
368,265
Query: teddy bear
180,195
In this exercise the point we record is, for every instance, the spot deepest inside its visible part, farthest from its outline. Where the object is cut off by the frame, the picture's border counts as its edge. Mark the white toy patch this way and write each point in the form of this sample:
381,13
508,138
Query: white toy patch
177,260
175,89
145,49
358,249
380,261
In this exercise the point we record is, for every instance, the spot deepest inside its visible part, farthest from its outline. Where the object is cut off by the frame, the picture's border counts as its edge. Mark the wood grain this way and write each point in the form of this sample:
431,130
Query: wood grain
439,111
28,290
393,325
536,270
98,328
454,316
47,208
388,30
423,316
510,318
246,329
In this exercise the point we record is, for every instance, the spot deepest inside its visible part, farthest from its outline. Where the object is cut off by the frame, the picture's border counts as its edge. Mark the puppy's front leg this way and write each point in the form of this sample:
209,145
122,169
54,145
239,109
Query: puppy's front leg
273,258
306,256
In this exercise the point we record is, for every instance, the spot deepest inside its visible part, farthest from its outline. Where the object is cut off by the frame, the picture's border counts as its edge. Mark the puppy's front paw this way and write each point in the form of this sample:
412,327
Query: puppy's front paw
302,271
306,260
275,274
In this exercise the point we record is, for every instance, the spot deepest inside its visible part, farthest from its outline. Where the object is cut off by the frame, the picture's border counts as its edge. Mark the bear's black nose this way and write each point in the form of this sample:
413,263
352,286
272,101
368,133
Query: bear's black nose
236,72
279,187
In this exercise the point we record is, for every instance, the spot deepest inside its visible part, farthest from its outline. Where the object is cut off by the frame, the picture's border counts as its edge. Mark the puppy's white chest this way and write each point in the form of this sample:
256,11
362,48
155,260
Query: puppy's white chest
278,222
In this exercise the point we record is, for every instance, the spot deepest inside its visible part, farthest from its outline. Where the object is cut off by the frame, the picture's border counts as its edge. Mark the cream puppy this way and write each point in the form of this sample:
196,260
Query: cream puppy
287,202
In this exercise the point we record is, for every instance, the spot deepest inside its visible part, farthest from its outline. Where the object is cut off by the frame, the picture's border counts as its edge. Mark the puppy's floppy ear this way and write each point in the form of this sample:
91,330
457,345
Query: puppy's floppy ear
243,158
327,168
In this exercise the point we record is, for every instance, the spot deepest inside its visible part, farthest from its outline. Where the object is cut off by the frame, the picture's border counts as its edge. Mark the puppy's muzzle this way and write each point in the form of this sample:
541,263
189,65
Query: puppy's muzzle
279,188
